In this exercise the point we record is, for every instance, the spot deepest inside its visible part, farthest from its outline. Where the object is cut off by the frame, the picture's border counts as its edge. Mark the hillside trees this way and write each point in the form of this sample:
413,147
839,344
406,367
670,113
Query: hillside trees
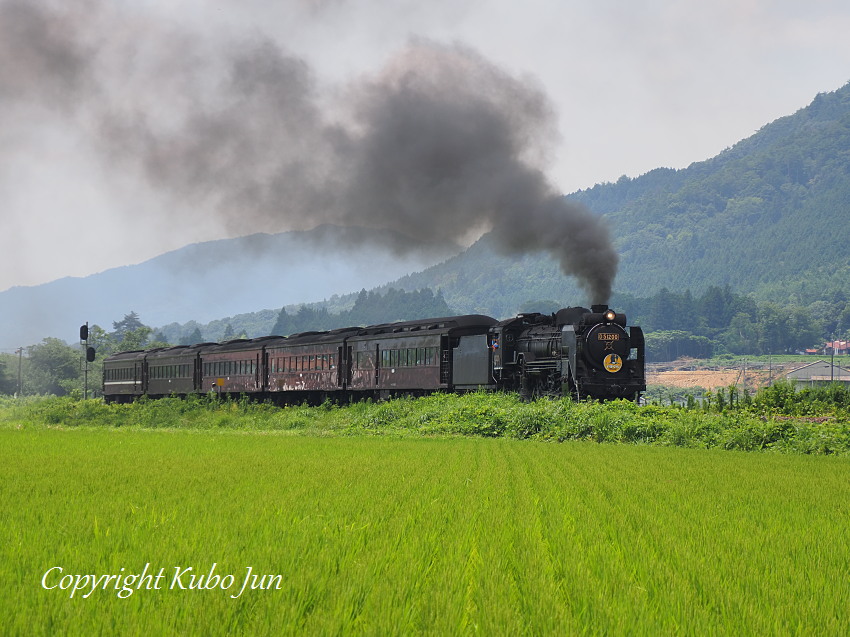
49,367
768,215
307,319
193,338
742,335
719,320
129,323
8,383
52,367
370,308
673,344
128,334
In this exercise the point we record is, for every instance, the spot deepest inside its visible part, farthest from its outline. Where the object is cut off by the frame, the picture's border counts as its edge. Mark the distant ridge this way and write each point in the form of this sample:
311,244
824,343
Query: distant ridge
205,281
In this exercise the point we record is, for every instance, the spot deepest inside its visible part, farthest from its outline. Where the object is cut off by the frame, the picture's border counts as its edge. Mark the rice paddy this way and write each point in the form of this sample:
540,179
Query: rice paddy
410,535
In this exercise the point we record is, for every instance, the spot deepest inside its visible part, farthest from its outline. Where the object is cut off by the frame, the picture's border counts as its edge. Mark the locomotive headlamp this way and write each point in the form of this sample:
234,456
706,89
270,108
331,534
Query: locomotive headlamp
610,315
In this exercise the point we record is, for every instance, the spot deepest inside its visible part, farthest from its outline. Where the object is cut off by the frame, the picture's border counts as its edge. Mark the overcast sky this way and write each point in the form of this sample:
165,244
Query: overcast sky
631,86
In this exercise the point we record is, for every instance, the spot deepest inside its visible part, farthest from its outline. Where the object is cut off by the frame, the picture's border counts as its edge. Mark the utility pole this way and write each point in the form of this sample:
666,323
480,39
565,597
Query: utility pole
832,361
769,369
20,353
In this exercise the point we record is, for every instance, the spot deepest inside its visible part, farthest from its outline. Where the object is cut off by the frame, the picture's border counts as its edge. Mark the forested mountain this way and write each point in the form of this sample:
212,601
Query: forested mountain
768,217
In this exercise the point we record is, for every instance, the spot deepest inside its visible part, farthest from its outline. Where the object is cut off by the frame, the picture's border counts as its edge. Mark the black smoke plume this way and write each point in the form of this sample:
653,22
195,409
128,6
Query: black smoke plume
437,148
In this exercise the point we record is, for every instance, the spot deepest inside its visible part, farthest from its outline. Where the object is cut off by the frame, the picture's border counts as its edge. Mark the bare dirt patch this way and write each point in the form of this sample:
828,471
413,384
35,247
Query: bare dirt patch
685,374
695,378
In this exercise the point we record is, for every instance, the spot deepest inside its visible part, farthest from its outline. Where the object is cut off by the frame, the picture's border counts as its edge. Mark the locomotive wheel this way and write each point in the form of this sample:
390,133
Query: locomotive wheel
532,387
553,386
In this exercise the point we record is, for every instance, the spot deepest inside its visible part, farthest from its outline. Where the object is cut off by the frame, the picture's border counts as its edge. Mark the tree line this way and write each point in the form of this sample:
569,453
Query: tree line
720,321
370,308
715,322
54,367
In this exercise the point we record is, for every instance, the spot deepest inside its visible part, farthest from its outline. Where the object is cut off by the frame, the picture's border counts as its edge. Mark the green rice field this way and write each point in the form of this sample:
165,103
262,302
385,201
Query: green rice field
386,535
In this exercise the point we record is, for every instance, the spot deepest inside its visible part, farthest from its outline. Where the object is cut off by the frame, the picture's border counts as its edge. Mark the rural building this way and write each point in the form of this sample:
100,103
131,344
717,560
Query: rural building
839,348
819,373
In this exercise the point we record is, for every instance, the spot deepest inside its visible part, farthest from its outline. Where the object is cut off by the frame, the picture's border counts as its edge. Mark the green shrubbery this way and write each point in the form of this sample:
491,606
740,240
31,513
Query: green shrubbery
777,418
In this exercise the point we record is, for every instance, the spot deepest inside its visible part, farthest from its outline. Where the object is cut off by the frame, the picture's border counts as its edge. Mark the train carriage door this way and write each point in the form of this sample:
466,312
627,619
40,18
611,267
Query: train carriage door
258,370
348,365
340,379
445,360
377,365
144,376
196,374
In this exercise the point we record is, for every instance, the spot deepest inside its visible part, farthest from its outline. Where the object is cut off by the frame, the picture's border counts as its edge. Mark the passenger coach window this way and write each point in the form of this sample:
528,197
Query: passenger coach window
364,360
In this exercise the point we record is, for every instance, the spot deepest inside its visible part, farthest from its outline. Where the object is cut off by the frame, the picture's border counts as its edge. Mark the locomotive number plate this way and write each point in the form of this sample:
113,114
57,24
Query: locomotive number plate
613,363
608,336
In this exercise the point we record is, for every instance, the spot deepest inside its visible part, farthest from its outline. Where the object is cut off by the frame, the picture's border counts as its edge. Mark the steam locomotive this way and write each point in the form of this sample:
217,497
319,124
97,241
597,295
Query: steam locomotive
589,353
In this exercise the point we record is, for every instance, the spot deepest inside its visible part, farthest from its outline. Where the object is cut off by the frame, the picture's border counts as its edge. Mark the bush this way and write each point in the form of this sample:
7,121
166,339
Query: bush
777,418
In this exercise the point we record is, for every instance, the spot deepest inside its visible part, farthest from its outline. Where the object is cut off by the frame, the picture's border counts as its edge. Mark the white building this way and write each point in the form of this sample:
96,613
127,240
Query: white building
819,373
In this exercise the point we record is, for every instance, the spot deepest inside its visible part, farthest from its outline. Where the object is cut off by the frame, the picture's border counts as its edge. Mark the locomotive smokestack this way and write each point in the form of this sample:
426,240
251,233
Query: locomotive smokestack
439,147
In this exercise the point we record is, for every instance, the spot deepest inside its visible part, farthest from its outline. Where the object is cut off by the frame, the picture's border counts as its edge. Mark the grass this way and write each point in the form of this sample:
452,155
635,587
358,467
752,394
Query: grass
380,535
443,515
776,419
